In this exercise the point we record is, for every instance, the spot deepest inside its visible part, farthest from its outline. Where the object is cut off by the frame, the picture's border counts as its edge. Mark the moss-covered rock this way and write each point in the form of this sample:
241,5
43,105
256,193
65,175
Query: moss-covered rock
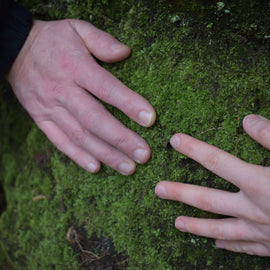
203,65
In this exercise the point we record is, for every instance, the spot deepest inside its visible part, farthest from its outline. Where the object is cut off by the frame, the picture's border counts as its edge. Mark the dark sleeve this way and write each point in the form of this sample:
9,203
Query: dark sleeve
15,25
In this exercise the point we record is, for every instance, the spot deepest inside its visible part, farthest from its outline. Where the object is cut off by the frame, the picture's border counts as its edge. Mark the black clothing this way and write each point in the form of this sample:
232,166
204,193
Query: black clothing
15,25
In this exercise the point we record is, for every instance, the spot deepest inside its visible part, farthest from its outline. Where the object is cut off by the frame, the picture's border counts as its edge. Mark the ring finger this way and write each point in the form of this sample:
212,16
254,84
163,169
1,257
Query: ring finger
222,229
248,247
96,147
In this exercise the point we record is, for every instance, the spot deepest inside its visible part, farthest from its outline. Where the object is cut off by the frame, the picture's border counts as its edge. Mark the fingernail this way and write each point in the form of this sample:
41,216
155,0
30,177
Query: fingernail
146,118
126,168
250,120
91,167
118,47
140,155
160,191
175,141
179,224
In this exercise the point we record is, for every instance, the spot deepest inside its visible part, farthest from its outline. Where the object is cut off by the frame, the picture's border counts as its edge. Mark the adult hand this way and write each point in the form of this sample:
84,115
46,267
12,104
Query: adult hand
248,229
57,80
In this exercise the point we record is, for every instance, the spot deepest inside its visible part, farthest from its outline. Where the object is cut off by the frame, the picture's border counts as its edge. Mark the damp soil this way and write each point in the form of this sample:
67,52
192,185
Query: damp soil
95,253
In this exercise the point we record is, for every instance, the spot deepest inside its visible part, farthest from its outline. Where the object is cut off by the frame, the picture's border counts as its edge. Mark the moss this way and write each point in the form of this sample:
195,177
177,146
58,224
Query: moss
203,69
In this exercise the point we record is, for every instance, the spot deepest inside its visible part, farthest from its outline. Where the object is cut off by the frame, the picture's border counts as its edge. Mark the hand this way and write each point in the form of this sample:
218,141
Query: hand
248,229
57,80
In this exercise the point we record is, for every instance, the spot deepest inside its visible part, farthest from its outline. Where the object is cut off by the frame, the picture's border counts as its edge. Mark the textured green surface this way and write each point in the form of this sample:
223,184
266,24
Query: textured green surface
203,67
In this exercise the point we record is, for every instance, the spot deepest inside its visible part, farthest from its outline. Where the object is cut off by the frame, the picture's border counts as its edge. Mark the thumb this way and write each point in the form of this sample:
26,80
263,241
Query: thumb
258,128
101,44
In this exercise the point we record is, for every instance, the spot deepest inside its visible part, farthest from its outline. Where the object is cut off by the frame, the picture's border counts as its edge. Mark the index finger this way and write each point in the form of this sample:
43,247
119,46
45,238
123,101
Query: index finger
225,165
109,89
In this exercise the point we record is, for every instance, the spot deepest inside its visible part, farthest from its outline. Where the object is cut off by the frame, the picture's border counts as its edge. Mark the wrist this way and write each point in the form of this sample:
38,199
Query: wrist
18,62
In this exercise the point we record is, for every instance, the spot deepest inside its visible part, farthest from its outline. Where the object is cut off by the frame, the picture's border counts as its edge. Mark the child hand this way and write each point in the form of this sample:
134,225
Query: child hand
248,229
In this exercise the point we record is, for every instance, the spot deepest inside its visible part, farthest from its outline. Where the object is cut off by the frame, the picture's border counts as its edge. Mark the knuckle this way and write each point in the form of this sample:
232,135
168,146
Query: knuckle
259,187
109,155
40,119
212,160
78,137
57,89
258,216
218,233
95,119
67,65
105,93
120,141
239,233
108,88
205,203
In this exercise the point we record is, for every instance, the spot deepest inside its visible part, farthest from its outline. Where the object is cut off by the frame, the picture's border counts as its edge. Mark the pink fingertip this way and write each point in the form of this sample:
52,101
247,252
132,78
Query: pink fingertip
92,167
160,190
175,141
119,47
180,225
251,119
147,118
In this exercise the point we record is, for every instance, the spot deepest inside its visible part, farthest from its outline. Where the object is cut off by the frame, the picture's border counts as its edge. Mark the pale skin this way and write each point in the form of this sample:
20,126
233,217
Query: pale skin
59,83
248,229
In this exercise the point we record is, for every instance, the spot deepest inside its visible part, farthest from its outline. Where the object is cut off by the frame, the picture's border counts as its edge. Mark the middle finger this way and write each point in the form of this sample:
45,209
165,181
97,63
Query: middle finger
225,165
93,116
207,199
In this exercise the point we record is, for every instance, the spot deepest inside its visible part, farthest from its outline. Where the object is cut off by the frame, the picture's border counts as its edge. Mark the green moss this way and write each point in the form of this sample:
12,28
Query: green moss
201,79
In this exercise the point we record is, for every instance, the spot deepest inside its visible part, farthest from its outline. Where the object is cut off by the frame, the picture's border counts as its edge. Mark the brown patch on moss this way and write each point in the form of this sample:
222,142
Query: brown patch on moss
95,253
41,159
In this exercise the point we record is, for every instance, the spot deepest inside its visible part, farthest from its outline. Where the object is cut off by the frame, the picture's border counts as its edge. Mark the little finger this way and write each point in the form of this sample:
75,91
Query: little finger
65,145
223,229
248,247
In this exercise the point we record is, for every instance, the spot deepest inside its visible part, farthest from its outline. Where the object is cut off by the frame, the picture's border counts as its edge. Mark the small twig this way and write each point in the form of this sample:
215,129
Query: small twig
72,237
38,197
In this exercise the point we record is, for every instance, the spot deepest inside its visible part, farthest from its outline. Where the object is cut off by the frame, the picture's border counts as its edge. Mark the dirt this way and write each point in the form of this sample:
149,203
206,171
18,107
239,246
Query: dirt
95,253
